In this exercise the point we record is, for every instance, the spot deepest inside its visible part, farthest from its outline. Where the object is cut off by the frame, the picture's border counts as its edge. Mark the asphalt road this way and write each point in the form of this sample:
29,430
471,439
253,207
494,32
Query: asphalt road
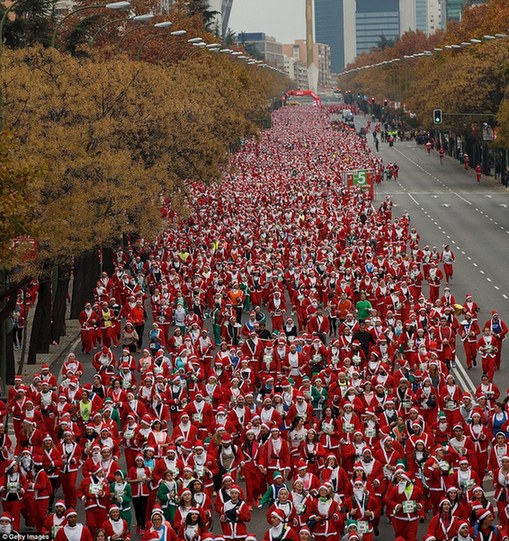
445,203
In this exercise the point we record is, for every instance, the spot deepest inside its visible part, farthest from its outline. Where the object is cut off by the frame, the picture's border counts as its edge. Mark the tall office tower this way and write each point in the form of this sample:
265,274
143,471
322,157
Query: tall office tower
329,29
374,21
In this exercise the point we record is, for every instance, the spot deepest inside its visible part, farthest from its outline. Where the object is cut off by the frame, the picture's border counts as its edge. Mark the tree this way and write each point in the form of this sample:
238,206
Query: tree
114,136
32,24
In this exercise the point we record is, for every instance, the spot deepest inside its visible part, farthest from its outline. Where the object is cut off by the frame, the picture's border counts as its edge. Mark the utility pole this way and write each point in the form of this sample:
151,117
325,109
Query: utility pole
312,67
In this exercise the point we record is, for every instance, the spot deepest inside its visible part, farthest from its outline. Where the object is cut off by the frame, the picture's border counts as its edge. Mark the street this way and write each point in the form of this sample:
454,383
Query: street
445,204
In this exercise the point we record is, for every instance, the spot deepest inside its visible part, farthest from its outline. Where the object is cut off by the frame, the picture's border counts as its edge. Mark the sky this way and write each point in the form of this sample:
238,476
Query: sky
282,19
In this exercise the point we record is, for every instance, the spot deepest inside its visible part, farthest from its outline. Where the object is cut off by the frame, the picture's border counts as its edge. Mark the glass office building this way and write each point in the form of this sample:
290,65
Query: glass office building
329,25
375,20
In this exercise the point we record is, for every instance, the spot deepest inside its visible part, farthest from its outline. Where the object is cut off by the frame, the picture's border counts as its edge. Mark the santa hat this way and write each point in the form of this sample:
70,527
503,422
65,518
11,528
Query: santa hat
226,438
482,513
235,488
278,513
6,516
113,507
157,511
60,503
70,513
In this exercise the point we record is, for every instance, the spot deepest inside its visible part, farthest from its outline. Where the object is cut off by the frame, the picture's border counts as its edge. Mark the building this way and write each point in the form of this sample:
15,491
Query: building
223,10
351,27
267,46
428,16
452,9
321,58
329,29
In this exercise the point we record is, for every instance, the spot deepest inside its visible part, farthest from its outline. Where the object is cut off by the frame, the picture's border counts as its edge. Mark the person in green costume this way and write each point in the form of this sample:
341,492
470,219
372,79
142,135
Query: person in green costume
167,495
122,495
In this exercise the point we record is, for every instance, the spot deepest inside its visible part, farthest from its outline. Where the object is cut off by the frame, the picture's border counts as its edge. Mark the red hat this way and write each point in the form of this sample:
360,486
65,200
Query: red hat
6,516
157,511
279,513
482,513
70,513
302,464
61,503
236,488
226,438
494,313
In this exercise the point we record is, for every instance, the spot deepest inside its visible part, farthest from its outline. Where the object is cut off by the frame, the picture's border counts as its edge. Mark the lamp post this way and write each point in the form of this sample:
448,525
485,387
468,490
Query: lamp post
135,18
166,24
113,5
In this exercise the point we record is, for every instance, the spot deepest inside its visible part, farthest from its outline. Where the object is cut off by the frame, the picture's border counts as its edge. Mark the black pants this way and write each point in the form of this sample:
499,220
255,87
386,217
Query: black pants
140,329
140,507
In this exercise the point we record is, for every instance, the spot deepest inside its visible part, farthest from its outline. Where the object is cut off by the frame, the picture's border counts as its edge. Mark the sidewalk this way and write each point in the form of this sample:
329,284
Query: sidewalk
57,353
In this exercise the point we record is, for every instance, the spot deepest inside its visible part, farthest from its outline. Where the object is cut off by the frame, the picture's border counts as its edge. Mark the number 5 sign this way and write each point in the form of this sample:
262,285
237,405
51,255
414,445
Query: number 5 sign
363,179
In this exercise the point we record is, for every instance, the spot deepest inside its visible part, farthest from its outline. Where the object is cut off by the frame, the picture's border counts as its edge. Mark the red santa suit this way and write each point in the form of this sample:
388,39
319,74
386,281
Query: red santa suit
75,533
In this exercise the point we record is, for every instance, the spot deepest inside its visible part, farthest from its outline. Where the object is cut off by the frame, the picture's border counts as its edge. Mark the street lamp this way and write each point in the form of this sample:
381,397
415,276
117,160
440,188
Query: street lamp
115,6
136,18
121,40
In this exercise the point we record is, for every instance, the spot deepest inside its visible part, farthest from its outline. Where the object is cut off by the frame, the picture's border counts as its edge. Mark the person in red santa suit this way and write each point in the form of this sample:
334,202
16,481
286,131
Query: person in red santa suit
116,527
469,331
488,346
319,324
233,515
437,471
72,530
12,491
434,279
444,525
158,528
55,521
276,306
302,409
275,455
43,491
185,429
88,322
94,491
228,457
104,362
405,500
279,529
499,330
325,515
501,484
70,452
201,415
362,506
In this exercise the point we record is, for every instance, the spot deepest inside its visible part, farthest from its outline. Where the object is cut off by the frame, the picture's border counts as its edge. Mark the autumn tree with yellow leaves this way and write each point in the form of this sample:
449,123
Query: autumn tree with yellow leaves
111,136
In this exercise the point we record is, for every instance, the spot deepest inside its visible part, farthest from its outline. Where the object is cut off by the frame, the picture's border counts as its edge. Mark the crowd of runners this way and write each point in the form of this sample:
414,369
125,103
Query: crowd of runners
301,359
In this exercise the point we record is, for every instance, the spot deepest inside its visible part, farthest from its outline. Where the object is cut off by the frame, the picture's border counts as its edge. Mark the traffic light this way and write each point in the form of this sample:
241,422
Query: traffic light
386,102
372,100
437,116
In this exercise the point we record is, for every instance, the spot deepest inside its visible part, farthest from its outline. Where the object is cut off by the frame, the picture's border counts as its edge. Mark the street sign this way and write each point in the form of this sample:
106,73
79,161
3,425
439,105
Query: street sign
362,178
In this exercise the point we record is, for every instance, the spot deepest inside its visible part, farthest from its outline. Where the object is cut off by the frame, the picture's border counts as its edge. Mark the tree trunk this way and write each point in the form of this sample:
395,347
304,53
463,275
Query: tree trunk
86,274
40,338
60,302
10,368
7,363
108,261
